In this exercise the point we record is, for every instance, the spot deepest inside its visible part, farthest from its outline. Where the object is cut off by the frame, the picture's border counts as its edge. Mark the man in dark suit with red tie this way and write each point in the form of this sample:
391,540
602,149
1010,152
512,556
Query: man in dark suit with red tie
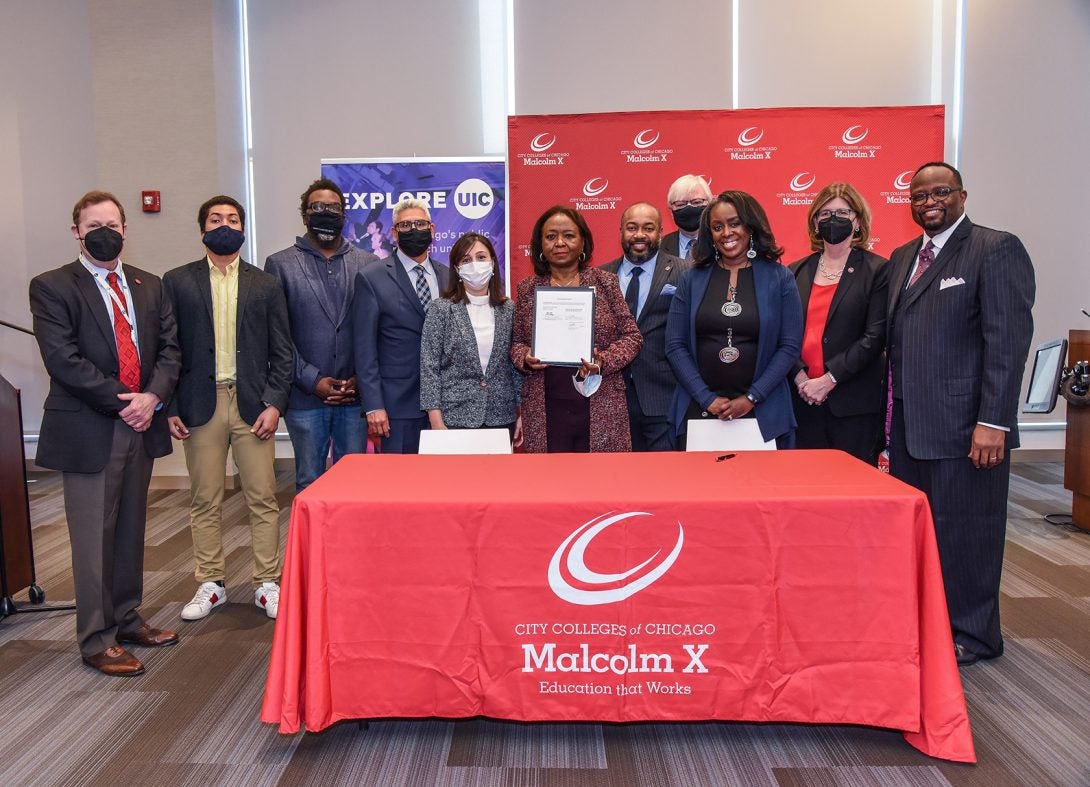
109,342
959,329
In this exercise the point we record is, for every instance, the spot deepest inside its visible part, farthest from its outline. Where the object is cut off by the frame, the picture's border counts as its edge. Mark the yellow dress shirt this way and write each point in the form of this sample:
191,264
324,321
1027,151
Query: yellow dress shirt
224,309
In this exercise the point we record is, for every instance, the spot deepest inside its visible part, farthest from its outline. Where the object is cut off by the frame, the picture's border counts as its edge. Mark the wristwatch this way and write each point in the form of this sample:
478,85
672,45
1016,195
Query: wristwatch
753,399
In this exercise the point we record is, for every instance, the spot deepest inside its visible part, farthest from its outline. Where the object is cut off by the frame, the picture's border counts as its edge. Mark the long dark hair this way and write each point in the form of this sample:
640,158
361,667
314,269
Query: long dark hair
751,214
541,266
456,292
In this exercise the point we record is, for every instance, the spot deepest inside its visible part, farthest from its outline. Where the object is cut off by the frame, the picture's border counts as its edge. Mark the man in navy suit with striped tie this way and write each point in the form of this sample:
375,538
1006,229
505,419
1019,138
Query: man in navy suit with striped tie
960,326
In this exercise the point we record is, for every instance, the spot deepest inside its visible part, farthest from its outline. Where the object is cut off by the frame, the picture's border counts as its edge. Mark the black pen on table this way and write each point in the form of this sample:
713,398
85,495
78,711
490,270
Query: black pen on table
721,457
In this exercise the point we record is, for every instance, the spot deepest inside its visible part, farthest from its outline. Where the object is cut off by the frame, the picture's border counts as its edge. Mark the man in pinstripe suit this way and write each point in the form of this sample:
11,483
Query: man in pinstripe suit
960,325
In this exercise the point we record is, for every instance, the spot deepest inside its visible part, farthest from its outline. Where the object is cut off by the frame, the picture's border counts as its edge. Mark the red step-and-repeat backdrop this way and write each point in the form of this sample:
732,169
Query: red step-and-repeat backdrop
601,163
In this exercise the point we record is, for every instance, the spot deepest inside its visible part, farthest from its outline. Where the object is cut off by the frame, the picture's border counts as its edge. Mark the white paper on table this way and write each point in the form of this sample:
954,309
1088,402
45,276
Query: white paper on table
465,441
712,434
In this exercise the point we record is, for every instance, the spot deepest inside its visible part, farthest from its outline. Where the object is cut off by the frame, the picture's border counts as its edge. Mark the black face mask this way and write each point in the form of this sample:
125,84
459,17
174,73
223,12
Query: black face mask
223,240
414,242
835,229
688,218
103,243
325,225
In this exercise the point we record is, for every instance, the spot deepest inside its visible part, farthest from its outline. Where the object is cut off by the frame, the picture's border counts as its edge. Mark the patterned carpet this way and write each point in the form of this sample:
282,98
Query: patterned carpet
192,719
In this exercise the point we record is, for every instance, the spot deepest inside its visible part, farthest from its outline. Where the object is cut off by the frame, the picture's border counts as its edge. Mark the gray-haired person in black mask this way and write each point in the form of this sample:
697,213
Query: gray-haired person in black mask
686,198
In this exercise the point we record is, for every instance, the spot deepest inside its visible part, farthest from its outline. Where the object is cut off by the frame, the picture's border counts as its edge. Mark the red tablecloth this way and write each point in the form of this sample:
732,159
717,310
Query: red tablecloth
793,586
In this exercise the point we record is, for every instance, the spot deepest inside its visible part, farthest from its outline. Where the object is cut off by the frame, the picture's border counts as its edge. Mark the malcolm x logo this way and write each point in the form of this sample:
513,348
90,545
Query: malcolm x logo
572,553
542,142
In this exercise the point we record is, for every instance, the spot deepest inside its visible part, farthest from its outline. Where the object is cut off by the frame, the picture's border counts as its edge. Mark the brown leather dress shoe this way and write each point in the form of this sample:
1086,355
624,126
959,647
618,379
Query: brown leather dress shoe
116,662
148,637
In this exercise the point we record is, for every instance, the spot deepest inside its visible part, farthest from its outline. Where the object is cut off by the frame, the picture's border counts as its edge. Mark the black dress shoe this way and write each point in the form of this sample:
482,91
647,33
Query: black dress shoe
964,655
116,662
148,637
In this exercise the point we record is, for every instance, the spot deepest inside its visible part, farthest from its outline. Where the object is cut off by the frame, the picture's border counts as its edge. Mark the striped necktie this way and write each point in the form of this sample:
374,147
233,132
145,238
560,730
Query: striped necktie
423,292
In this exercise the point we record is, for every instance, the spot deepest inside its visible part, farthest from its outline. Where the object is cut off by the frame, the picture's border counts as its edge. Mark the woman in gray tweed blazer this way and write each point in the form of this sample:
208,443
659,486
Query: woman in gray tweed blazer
467,380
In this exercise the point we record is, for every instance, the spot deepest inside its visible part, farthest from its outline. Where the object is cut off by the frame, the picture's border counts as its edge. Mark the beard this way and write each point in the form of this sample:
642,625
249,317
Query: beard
640,257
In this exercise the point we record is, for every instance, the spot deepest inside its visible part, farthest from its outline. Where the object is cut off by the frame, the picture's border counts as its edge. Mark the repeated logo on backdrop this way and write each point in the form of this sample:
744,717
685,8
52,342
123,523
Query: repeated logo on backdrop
600,163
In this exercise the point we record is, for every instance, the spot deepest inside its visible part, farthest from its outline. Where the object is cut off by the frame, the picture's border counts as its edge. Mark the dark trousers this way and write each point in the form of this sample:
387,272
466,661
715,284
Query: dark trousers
404,435
858,435
106,513
969,507
649,432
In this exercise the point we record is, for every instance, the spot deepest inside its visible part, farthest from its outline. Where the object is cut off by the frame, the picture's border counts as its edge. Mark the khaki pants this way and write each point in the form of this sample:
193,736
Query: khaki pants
206,458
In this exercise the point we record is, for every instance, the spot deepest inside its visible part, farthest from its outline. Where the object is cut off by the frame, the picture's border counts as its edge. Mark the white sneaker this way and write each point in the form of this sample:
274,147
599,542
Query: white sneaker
267,597
209,596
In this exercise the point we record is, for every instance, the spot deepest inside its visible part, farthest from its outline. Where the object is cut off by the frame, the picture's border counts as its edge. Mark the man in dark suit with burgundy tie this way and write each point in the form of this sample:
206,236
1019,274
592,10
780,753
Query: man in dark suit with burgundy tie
959,329
648,277
109,342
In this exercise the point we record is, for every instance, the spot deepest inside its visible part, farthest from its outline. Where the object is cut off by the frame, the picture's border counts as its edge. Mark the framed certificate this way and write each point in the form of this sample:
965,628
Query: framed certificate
563,325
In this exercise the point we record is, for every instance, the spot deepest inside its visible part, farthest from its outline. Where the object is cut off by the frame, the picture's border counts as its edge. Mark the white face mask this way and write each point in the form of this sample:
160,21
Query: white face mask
476,274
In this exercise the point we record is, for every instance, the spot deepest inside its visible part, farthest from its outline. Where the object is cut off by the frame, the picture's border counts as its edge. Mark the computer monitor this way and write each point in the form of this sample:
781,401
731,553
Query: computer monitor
1044,383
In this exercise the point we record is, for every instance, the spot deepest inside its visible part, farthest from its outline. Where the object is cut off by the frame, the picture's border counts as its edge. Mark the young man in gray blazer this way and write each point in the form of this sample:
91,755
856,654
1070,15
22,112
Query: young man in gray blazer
959,328
236,370
108,339
318,275
648,278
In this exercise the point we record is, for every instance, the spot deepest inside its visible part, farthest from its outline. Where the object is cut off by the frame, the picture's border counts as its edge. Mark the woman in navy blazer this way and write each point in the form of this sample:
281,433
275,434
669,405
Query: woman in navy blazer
735,325
467,380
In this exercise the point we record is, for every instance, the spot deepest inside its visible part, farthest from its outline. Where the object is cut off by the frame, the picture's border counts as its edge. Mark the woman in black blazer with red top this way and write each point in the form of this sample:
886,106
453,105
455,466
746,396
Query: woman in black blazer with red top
839,390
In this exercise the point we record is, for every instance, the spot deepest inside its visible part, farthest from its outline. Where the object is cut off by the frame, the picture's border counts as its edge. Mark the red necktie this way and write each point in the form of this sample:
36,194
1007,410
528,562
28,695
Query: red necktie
127,356
926,258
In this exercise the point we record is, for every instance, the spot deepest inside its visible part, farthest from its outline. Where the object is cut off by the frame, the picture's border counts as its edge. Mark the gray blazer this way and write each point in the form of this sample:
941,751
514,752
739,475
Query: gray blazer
451,379
321,333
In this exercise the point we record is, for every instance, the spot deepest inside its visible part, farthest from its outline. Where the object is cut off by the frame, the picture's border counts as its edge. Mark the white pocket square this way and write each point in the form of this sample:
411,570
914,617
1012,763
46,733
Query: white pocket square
668,289
951,282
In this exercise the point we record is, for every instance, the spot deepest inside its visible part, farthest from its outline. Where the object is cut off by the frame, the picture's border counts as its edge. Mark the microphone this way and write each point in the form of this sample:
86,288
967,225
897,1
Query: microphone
1085,312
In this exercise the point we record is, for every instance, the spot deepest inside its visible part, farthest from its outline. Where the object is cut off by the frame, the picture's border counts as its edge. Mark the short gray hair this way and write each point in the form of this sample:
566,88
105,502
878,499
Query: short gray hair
411,202
687,184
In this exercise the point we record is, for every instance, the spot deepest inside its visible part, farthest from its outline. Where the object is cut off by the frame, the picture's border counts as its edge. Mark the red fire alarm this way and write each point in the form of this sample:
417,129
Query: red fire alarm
150,201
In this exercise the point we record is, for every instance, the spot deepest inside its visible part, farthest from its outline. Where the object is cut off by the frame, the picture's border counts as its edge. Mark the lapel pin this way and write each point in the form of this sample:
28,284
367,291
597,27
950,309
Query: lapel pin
851,270
137,280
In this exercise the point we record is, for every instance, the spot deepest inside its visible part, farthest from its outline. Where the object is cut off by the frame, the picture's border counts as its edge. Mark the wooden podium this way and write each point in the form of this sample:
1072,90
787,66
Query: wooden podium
16,548
1077,450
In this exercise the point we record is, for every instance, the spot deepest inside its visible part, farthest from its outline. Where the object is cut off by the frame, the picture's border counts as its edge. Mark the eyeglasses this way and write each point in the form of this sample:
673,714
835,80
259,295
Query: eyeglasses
325,207
840,213
939,194
415,224
698,202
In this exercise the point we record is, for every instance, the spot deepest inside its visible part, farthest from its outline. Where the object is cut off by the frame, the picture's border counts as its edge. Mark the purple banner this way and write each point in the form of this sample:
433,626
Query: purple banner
462,194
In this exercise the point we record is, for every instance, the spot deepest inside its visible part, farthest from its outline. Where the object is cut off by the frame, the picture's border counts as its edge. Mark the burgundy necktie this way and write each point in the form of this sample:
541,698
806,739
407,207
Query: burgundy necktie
926,258
127,356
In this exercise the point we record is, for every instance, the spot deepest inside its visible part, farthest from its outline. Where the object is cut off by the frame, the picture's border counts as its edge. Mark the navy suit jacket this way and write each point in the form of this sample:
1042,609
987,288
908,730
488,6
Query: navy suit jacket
75,334
387,320
652,378
263,357
778,345
322,337
958,339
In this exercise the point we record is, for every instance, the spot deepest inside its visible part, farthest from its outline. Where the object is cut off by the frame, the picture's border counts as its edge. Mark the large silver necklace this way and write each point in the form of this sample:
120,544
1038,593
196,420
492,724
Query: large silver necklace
828,274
